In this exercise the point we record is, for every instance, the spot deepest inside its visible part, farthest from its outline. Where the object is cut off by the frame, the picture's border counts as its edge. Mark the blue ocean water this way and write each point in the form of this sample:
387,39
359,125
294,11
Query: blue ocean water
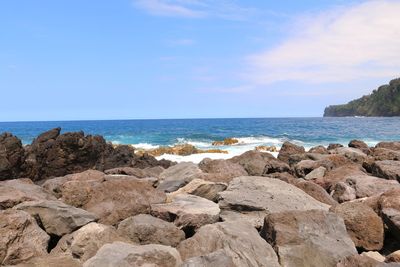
201,132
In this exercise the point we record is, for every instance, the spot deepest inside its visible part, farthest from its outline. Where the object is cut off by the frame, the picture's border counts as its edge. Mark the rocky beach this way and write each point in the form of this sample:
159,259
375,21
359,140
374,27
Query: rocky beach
70,199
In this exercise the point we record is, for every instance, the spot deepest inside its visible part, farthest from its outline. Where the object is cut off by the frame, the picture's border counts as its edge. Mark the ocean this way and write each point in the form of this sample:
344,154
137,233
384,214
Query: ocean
251,132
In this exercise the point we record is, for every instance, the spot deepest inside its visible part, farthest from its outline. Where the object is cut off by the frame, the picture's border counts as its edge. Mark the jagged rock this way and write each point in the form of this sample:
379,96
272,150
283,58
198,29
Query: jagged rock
254,162
314,190
201,188
56,217
140,173
364,226
305,167
112,200
20,237
13,192
226,167
339,174
334,146
389,205
177,176
145,229
366,186
123,254
11,156
238,240
389,145
393,257
360,145
214,259
385,154
388,169
319,150
308,238
86,241
187,211
289,149
263,195
342,192
353,154
317,173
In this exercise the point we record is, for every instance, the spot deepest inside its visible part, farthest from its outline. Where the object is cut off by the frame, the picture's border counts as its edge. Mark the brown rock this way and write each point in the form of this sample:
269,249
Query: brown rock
360,145
315,191
342,192
385,154
20,237
359,261
225,142
145,229
289,149
364,226
388,169
11,156
389,145
201,188
225,167
177,176
334,146
393,257
389,204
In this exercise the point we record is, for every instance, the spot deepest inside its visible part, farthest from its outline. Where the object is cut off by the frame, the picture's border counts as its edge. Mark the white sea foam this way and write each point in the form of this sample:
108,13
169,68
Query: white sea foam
144,146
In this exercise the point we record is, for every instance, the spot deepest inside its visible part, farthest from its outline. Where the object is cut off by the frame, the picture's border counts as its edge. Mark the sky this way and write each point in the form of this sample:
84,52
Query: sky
156,59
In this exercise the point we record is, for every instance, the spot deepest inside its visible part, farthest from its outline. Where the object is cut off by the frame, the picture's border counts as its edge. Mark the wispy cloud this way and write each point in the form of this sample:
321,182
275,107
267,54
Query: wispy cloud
223,9
343,44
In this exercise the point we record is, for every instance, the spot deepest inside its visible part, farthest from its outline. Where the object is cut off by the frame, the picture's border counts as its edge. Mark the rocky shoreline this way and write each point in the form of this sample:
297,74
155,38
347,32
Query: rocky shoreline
75,200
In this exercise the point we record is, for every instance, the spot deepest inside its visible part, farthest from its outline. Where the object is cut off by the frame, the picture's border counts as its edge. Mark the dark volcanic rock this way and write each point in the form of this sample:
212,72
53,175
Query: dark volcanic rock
289,149
11,156
360,145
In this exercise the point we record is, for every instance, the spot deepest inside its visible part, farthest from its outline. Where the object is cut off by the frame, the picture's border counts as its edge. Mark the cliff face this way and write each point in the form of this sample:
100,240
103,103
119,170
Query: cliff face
383,102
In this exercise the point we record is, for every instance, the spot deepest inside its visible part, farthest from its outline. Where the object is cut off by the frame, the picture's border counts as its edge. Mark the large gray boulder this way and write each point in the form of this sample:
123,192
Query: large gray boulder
219,166
187,211
177,176
264,195
239,240
86,241
308,238
119,254
56,217
13,192
145,229
20,237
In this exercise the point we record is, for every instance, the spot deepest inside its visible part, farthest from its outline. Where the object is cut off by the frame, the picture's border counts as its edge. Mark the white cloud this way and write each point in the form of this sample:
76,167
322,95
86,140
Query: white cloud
224,9
347,43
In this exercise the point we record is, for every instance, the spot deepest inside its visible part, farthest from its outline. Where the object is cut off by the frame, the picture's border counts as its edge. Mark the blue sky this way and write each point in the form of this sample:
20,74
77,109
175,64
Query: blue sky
122,59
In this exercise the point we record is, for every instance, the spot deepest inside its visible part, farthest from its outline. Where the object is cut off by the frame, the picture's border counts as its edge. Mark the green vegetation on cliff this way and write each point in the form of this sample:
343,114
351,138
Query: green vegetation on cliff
383,102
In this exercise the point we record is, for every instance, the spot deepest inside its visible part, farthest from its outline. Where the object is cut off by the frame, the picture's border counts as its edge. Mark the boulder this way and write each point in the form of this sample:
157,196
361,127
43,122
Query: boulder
226,167
263,195
214,259
50,261
86,241
11,156
253,162
385,154
187,211
145,229
314,190
374,255
360,145
334,146
389,145
317,173
388,169
13,192
288,149
112,200
389,205
319,150
308,238
201,188
363,225
339,174
305,167
366,186
123,254
238,240
342,192
139,173
56,217
177,176
393,257
214,177
360,261
20,237
353,154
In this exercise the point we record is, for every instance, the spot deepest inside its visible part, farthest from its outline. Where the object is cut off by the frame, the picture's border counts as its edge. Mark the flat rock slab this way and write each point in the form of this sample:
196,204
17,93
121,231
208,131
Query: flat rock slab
201,188
56,217
13,192
86,241
267,195
308,238
238,240
145,229
20,237
119,254
187,211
